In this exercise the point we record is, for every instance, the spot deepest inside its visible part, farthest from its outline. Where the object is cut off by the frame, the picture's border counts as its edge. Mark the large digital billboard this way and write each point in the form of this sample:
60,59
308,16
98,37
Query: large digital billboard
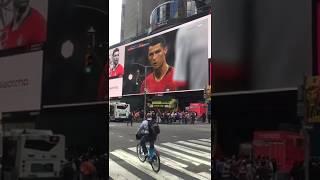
22,23
20,82
175,59
116,71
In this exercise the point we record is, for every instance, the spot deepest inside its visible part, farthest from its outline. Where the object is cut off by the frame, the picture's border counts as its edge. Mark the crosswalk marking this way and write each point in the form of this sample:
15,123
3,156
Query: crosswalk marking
205,174
188,150
120,173
207,140
195,145
183,156
144,167
164,159
200,142
178,166
192,153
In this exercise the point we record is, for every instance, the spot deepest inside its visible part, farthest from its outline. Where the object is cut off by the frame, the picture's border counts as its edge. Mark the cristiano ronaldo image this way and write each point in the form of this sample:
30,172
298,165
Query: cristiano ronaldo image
161,78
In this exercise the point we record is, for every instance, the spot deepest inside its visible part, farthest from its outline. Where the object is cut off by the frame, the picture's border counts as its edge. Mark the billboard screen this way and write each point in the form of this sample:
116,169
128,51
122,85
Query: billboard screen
22,23
261,45
116,71
175,59
20,82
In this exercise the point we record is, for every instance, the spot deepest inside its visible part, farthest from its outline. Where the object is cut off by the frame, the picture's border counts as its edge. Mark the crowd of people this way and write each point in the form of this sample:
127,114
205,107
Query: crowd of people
244,168
261,168
85,166
170,117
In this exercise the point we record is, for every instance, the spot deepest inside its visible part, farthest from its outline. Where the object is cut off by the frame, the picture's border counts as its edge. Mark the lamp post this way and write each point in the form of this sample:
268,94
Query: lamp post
145,87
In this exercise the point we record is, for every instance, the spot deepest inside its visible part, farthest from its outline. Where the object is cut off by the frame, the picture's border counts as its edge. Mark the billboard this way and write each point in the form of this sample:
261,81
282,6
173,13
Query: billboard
175,59
261,45
20,82
116,71
22,23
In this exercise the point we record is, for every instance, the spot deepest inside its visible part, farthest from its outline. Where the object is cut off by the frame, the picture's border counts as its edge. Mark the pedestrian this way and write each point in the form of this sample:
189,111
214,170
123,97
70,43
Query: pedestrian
193,118
187,117
203,117
130,119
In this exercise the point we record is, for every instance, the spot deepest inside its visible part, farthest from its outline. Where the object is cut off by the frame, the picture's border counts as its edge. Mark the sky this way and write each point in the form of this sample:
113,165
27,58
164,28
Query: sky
114,21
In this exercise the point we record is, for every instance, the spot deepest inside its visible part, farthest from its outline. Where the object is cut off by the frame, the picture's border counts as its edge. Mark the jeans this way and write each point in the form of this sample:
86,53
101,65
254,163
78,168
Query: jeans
144,139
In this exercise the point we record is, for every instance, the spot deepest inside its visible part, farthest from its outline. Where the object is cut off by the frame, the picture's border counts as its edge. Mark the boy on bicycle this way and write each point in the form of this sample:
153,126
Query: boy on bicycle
147,136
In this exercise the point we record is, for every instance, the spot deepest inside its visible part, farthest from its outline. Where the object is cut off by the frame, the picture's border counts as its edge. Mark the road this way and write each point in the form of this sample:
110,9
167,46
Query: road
185,152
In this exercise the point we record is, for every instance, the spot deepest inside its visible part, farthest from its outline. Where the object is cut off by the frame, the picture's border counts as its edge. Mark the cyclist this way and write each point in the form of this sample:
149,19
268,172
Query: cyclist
147,136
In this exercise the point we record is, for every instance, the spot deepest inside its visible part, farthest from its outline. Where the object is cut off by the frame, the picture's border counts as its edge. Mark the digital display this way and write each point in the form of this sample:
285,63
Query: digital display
175,59
116,71
20,82
22,23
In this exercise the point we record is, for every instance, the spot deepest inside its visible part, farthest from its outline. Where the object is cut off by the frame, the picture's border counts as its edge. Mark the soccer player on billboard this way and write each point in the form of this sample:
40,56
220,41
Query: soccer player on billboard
117,69
161,78
27,26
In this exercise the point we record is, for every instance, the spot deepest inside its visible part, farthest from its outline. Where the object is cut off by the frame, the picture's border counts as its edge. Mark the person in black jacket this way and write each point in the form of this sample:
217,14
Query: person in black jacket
130,118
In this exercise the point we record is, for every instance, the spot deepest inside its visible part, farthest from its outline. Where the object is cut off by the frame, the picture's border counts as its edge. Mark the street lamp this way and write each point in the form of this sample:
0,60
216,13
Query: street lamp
145,87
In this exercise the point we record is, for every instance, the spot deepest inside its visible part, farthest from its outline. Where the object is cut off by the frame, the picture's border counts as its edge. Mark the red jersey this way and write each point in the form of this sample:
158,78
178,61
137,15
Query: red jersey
33,29
118,71
166,83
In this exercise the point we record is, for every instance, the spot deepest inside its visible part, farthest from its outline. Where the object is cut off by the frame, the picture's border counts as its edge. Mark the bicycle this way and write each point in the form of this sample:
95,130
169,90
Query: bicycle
155,161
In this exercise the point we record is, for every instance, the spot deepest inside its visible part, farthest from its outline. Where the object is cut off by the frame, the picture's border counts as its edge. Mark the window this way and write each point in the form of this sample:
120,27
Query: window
122,107
41,145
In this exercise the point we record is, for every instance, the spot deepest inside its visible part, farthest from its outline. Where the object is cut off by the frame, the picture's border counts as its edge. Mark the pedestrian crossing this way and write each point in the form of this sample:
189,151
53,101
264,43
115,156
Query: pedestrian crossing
190,159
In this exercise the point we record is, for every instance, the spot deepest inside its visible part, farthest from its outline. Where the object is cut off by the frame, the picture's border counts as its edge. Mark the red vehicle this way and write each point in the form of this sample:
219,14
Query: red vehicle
199,108
286,147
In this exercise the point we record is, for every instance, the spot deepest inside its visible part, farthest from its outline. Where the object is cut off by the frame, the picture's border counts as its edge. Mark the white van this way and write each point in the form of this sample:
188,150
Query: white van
119,111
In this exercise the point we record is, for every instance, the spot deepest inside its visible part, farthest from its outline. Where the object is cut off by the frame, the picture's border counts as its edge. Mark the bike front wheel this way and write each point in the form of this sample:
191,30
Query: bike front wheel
140,153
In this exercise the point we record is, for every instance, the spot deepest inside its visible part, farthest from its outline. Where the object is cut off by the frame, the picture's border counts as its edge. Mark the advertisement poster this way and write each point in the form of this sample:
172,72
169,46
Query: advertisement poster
20,82
174,60
22,23
116,71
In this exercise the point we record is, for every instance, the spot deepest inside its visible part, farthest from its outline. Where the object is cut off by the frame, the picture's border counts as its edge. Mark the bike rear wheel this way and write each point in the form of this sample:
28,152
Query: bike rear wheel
140,153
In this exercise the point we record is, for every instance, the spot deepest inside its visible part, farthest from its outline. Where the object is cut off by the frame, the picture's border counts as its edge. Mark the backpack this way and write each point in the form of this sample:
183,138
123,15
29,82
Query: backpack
154,128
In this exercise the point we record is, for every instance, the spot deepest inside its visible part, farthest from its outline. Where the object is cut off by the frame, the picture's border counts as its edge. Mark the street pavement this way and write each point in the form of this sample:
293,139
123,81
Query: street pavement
185,152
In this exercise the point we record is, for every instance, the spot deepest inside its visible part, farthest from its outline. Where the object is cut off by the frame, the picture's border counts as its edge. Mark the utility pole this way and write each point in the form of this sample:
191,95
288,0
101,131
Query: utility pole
145,87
